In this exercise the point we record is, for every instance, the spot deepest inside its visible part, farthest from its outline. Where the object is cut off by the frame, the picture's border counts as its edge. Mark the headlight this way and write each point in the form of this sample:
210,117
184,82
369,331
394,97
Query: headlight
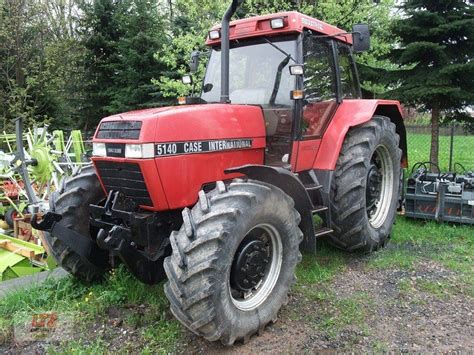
138,151
98,150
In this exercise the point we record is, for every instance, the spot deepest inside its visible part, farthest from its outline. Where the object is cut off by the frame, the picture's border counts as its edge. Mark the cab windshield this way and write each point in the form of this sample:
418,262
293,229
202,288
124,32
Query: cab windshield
259,73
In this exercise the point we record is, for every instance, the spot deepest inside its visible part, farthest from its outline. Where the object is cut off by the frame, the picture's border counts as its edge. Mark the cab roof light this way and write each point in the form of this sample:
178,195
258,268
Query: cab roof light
277,23
214,35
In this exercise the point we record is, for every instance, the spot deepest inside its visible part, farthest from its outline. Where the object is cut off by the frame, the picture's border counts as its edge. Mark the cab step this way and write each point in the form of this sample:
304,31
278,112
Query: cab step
318,209
312,187
323,231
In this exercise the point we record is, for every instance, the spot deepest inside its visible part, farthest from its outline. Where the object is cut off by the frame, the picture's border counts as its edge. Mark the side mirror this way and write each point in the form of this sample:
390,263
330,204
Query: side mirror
208,87
194,62
360,38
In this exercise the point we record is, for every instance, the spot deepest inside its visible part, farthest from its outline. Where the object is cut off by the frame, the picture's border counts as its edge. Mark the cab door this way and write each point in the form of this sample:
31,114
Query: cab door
320,103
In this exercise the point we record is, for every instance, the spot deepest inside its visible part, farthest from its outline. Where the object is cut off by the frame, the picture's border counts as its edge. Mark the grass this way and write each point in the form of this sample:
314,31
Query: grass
344,312
449,246
144,309
91,305
419,150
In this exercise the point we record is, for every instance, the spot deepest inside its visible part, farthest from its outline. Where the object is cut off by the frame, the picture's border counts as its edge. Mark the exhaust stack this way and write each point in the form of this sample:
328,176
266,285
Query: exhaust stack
225,47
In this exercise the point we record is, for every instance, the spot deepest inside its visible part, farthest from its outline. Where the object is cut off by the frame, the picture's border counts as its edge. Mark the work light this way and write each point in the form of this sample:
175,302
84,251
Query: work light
297,69
277,23
187,79
214,34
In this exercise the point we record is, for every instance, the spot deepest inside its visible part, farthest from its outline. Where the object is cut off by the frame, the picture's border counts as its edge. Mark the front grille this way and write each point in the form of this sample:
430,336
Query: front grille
119,130
124,177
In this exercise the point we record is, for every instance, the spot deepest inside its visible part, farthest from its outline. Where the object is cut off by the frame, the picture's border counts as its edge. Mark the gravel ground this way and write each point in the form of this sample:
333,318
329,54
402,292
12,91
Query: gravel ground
390,317
423,308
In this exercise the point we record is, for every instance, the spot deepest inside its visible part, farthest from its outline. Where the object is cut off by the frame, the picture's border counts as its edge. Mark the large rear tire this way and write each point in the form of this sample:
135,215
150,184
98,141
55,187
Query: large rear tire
72,201
365,187
233,260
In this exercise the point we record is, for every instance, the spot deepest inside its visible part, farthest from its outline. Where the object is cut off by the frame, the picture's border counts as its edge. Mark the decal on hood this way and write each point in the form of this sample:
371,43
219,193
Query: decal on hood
192,147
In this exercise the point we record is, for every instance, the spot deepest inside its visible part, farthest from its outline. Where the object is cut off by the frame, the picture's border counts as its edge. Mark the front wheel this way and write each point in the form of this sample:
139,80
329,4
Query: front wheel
365,187
233,260
72,202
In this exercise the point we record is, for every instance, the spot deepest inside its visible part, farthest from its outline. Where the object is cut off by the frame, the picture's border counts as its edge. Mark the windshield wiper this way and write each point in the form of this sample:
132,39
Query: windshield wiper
276,86
279,49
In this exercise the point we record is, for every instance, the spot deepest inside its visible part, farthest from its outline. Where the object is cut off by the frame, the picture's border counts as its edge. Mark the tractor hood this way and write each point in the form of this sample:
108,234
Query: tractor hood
183,123
186,148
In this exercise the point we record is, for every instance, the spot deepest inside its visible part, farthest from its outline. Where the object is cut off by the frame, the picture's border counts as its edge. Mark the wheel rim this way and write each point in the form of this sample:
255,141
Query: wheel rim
379,190
256,267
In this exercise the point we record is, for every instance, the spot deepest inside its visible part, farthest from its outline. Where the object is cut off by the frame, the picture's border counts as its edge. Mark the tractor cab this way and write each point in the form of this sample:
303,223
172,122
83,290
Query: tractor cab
295,68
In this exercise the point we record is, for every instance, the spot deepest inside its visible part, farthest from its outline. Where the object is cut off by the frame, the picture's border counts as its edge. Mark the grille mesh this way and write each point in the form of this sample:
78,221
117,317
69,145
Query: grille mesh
124,177
119,130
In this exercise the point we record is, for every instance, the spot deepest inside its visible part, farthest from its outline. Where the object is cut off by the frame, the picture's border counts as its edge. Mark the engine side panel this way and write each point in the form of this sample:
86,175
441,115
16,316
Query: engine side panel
183,176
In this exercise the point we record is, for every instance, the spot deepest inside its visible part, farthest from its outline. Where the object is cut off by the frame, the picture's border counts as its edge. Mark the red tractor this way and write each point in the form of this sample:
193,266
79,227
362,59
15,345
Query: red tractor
219,195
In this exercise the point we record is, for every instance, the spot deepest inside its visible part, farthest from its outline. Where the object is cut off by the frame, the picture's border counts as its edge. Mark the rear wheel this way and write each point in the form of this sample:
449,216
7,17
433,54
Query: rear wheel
233,260
72,202
365,187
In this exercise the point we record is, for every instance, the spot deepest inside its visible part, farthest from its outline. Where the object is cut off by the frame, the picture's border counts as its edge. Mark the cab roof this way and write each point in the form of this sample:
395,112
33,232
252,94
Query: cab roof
294,22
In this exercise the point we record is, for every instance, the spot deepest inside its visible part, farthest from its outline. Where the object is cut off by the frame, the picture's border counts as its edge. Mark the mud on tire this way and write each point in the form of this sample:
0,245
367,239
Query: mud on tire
72,201
199,269
357,227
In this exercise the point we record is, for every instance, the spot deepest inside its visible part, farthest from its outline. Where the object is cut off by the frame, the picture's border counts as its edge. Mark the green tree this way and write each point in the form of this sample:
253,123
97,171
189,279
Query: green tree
379,15
121,37
100,34
436,59
40,62
189,23
192,20
63,61
142,28
22,51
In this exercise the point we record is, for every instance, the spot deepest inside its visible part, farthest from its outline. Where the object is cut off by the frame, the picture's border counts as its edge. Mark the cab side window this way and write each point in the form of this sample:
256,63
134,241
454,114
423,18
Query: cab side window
320,78
349,86
319,86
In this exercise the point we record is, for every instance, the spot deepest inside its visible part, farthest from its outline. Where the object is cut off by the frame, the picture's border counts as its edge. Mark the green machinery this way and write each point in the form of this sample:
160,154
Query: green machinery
32,171
19,258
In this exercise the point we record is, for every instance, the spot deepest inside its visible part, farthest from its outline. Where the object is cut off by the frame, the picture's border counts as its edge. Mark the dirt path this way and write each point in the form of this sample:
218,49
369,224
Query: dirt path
352,304
367,310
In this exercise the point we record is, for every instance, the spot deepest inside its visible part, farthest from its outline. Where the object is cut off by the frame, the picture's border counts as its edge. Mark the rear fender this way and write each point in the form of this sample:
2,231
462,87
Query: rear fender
293,187
351,113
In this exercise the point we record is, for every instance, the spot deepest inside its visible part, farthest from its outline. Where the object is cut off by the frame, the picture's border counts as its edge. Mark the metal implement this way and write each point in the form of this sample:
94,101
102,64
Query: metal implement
82,245
447,197
139,240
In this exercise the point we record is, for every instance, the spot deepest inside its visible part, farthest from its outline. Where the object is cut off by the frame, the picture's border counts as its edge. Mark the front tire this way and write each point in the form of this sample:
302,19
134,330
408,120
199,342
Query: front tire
365,187
233,260
72,202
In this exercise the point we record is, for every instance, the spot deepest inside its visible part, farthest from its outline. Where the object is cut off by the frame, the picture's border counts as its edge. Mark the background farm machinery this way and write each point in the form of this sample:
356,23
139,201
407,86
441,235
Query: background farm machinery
32,164
444,197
